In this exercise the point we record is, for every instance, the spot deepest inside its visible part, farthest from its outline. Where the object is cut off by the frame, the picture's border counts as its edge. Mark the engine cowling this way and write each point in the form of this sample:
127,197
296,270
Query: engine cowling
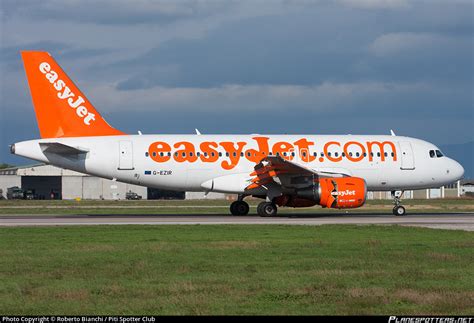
339,193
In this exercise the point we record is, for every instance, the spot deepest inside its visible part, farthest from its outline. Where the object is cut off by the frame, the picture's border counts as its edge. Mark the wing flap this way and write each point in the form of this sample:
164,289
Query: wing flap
287,173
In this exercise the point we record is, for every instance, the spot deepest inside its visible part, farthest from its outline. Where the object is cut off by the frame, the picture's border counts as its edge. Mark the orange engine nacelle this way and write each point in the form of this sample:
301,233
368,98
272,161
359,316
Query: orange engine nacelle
342,193
339,193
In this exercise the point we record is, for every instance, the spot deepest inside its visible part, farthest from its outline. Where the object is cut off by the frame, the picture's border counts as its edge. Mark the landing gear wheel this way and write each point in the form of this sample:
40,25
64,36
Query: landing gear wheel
267,209
239,208
399,210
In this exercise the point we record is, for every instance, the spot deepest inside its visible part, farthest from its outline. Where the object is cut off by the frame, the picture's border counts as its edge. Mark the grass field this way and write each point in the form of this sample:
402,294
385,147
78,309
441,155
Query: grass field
236,270
216,207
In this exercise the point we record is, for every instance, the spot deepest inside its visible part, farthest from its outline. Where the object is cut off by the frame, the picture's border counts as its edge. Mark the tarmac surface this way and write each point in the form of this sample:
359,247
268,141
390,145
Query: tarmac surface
454,221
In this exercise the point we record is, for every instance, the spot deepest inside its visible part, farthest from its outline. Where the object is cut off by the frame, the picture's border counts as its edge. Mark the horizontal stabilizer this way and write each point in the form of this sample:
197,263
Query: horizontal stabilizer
61,149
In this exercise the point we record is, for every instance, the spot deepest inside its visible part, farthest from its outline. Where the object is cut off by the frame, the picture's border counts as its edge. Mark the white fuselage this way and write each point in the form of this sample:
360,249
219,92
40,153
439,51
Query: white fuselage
197,162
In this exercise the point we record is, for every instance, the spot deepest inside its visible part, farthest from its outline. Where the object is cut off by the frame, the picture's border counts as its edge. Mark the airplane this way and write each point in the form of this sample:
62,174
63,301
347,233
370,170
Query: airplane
333,171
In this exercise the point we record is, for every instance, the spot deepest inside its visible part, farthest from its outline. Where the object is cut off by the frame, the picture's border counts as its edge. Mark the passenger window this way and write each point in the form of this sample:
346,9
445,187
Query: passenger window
336,154
432,154
439,153
378,154
357,154
147,154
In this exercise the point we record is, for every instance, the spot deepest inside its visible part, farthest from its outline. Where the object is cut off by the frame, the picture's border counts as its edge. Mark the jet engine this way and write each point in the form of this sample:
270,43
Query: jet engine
339,193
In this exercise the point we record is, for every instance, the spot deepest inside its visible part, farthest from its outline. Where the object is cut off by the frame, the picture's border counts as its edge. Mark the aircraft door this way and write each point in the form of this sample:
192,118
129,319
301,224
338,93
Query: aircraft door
407,156
125,155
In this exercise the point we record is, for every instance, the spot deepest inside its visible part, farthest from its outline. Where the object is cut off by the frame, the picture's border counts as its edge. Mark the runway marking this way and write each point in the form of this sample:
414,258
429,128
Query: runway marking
438,221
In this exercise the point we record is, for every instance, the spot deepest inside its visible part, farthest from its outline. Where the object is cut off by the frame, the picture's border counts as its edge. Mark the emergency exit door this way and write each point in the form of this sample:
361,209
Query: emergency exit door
125,155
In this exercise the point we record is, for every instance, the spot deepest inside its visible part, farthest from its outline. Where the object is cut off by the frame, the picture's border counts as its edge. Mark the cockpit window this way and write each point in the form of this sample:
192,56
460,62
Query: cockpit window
436,153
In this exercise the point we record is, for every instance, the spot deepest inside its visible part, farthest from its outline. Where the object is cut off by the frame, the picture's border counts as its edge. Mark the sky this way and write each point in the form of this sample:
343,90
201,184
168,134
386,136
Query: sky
309,67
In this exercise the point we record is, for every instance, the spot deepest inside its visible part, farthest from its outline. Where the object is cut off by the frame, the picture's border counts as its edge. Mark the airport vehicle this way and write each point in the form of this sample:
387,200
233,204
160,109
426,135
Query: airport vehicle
132,196
283,170
29,195
15,193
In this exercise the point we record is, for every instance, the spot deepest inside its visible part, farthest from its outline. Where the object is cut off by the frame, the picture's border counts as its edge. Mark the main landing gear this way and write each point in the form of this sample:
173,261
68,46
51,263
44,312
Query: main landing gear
267,209
239,207
398,209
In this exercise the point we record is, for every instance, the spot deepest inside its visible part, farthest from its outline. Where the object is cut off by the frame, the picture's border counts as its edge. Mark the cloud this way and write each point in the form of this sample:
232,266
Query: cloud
409,43
324,98
376,4
312,66
114,12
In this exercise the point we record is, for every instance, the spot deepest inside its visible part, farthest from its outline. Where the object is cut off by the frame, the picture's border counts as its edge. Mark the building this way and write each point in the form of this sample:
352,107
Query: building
209,196
455,190
467,187
50,182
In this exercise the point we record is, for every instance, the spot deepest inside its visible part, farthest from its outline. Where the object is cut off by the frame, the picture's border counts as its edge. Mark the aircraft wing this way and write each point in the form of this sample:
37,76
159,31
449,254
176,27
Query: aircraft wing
288,174
61,149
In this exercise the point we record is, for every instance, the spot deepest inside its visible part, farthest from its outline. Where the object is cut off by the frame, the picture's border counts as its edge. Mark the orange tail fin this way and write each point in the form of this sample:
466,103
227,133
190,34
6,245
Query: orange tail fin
61,108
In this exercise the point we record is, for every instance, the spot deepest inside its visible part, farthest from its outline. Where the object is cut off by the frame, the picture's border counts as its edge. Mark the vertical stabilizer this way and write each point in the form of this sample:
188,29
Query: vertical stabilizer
62,110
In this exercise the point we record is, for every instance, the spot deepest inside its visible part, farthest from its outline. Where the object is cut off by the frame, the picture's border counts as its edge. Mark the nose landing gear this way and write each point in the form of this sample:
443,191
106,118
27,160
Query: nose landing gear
398,209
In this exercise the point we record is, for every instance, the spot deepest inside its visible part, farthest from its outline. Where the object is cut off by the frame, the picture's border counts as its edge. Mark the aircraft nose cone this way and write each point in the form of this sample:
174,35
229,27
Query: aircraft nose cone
457,171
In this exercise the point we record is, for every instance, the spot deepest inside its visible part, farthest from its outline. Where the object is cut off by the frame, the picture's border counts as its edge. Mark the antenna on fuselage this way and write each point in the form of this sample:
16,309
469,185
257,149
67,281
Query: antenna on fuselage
197,132
392,133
